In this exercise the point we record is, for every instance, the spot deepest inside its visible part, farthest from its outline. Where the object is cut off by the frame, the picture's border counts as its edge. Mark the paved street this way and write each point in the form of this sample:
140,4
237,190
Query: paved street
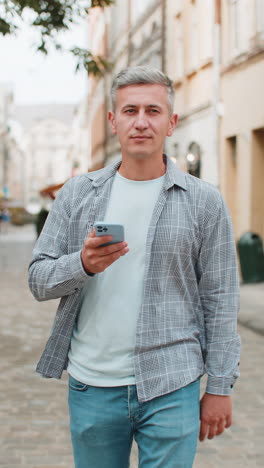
33,411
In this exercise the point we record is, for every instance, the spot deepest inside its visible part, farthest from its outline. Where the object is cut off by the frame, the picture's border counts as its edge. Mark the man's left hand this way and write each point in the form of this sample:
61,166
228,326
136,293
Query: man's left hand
215,415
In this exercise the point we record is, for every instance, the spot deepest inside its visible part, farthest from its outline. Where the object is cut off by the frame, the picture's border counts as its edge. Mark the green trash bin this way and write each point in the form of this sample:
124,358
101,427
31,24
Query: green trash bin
251,256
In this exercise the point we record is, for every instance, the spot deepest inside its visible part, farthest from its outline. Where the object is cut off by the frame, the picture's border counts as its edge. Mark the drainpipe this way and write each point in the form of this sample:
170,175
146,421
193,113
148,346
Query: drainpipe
105,87
163,36
129,26
217,107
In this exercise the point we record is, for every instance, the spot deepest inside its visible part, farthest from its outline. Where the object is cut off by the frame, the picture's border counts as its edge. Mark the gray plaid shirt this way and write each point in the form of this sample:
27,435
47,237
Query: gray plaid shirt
187,324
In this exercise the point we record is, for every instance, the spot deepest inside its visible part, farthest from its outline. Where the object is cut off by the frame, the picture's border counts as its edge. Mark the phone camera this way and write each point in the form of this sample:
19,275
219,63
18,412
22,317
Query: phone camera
105,229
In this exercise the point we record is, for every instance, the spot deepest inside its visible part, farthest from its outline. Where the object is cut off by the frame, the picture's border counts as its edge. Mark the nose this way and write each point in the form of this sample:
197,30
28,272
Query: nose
141,122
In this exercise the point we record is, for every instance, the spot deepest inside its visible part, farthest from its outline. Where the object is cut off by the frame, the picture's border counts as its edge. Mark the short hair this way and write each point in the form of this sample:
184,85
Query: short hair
142,75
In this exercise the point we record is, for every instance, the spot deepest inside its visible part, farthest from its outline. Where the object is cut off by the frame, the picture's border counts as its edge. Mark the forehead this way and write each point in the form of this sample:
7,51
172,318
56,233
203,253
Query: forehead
142,95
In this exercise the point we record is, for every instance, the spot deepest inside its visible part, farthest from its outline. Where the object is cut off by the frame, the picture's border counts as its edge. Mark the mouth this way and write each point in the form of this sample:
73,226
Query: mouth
140,137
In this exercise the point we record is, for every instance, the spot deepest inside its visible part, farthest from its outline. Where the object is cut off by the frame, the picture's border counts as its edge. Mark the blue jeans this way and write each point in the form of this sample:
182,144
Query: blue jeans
104,421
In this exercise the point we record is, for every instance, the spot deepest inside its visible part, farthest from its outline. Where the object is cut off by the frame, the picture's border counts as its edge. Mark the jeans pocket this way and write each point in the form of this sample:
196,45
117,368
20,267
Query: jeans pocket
77,385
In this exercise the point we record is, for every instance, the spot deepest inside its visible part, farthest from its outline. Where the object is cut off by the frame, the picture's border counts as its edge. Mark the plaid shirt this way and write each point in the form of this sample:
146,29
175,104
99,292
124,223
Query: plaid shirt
187,325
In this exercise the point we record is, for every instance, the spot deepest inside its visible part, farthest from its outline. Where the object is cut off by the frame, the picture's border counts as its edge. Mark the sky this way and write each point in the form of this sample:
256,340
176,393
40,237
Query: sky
37,79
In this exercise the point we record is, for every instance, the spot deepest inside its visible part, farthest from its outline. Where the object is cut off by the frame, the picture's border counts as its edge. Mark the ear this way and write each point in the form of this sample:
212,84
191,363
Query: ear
111,119
172,124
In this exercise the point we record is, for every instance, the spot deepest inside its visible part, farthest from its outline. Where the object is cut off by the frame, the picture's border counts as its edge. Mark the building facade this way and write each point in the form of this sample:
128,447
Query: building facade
213,50
46,142
176,36
12,181
192,64
98,23
128,33
6,99
242,125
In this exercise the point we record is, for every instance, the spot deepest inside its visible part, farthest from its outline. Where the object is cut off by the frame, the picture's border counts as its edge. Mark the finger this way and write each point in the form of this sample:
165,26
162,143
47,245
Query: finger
228,421
92,234
110,249
212,431
115,255
124,251
109,260
96,241
203,431
220,428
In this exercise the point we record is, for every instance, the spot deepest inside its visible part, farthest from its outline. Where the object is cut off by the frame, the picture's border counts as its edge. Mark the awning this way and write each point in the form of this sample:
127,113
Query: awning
51,190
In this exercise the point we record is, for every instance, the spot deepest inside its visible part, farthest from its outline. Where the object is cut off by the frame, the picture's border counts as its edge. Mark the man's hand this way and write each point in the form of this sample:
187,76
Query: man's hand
215,415
95,258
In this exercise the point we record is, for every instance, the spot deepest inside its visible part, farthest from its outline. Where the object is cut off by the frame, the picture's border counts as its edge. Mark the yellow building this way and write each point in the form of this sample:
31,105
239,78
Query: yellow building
192,61
242,126
97,104
214,52
128,33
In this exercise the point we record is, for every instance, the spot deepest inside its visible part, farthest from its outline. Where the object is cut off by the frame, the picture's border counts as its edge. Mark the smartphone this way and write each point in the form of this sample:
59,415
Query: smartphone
110,229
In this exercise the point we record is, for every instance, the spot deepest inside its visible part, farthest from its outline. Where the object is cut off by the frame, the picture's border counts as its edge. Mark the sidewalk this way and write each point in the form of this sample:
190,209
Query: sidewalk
252,307
11,233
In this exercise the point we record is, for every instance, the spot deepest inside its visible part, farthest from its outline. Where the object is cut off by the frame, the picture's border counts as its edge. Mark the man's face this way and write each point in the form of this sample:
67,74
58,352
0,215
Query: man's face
142,120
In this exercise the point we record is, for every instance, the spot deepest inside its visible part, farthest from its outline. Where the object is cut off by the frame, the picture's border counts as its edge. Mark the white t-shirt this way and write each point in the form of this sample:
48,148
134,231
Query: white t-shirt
103,340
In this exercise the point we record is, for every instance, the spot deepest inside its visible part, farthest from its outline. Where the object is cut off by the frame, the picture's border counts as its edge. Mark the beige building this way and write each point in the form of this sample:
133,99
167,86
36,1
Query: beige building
6,99
79,152
12,181
128,33
16,181
46,142
214,52
192,62
176,36
97,106
242,126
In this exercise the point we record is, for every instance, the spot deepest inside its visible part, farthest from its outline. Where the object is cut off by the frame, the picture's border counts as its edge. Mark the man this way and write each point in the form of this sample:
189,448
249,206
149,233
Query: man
141,321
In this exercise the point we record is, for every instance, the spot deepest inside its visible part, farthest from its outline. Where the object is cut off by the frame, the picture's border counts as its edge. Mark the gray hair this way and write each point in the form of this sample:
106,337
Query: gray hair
142,75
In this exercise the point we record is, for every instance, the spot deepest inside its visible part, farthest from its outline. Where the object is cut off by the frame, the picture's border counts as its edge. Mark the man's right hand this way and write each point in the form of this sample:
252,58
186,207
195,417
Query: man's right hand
95,258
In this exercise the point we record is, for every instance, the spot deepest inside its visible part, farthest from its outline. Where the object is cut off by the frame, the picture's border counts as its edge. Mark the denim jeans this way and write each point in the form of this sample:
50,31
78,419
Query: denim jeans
104,421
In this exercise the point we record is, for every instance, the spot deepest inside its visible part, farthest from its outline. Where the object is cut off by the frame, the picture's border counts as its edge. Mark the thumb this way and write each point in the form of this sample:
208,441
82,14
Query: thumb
92,233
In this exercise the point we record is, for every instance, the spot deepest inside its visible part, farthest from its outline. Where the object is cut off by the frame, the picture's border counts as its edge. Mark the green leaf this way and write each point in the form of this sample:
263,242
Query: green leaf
51,17
5,28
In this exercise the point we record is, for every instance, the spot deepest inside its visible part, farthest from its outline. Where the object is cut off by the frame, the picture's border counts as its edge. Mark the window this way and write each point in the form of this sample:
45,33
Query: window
233,150
206,31
179,48
194,51
137,9
235,32
260,16
193,159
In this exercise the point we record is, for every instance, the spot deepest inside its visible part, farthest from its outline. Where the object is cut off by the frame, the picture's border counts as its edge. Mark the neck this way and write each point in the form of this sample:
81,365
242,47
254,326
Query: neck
142,169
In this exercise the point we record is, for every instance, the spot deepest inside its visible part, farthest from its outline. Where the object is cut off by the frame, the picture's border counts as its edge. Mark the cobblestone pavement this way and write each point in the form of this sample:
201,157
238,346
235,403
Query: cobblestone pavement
33,411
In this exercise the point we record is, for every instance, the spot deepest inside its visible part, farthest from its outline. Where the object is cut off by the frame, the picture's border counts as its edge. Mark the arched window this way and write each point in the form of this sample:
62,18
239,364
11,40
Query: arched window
193,159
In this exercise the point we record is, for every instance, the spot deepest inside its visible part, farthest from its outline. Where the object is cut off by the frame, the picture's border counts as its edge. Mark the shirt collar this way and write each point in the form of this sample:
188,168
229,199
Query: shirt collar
173,175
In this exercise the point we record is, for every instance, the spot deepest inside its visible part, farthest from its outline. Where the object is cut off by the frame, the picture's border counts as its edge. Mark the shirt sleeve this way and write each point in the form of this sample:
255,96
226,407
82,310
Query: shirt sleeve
53,272
219,295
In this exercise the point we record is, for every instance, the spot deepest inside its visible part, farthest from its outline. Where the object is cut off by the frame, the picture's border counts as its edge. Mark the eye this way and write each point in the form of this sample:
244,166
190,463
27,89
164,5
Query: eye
154,111
129,111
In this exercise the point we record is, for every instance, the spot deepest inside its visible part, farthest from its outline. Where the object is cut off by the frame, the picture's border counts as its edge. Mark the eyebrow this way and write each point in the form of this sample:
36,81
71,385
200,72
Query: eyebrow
149,106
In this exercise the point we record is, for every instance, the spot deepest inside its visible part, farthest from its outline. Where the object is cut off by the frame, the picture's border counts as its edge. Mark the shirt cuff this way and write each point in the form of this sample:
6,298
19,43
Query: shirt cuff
220,385
77,269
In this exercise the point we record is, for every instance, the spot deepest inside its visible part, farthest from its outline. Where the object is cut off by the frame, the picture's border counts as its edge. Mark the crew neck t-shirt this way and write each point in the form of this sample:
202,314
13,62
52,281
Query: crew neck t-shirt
103,341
